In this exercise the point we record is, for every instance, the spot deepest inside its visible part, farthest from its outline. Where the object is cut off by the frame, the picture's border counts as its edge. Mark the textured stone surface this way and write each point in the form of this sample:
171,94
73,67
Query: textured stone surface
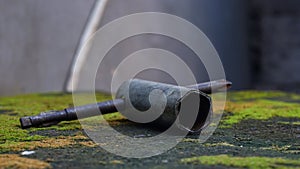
259,127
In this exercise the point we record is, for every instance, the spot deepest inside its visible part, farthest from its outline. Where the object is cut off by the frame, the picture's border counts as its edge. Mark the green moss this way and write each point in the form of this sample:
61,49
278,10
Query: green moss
12,108
243,162
290,123
265,124
225,144
253,95
285,149
260,106
25,106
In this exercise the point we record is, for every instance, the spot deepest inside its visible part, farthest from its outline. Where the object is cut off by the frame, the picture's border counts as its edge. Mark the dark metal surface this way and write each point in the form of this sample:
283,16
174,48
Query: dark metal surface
167,104
68,114
212,86
73,113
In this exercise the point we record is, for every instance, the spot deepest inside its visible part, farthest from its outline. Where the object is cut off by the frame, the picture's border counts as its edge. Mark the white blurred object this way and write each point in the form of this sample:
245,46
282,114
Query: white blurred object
26,153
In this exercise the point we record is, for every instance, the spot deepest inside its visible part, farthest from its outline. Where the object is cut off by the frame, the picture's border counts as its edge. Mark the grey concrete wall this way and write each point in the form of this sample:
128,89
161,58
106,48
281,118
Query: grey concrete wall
38,38
279,44
224,22
37,41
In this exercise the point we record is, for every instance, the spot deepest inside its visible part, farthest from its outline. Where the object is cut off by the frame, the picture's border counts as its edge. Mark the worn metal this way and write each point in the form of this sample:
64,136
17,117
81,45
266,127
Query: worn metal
164,105
69,114
139,91
212,86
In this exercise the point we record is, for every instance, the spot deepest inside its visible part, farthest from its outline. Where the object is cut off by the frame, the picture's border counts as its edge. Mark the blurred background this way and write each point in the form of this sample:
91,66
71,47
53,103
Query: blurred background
258,41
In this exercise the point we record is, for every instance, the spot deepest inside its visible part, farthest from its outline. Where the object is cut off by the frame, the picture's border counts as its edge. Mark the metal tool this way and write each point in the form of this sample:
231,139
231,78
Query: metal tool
135,95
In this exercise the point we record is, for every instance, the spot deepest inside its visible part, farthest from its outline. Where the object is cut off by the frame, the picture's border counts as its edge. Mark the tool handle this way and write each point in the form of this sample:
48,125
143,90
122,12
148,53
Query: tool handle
72,113
212,86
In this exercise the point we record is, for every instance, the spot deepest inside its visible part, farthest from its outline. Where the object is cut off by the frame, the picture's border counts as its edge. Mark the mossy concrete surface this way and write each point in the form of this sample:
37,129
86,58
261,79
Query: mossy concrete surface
259,129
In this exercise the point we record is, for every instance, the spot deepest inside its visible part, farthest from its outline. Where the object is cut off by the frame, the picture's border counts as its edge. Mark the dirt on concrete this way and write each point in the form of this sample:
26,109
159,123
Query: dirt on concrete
257,130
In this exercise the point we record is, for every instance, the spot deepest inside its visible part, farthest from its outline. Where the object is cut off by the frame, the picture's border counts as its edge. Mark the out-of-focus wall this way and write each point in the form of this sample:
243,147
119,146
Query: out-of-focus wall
37,42
224,22
276,44
38,38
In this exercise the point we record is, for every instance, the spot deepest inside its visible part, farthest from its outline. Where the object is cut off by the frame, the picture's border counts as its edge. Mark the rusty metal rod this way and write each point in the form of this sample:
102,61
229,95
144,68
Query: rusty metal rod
69,114
212,86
